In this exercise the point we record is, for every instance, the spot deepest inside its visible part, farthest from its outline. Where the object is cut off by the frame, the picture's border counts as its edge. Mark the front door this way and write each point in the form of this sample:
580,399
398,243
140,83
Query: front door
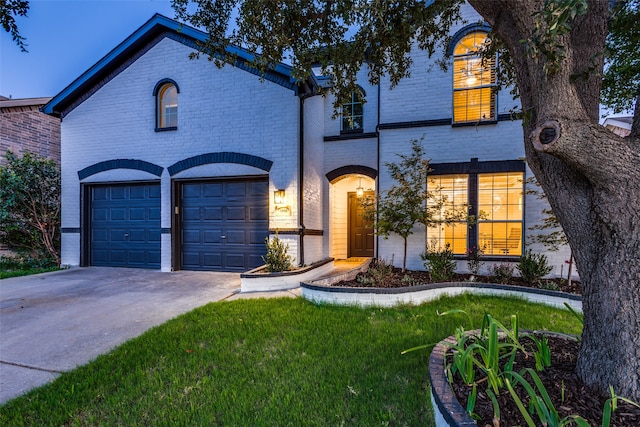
360,232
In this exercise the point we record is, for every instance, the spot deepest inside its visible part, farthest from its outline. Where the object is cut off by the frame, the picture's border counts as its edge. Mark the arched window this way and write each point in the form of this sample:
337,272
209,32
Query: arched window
352,118
474,81
166,106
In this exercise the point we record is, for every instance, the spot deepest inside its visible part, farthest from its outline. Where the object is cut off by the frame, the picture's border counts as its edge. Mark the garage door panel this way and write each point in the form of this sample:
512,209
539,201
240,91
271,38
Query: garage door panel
189,236
236,213
154,214
137,214
212,260
236,237
137,193
212,189
189,214
125,225
236,189
119,193
259,213
118,214
212,236
225,208
259,189
213,214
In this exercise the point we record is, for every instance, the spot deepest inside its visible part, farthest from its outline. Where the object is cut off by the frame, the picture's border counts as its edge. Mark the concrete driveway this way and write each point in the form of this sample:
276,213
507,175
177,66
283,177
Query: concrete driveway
53,322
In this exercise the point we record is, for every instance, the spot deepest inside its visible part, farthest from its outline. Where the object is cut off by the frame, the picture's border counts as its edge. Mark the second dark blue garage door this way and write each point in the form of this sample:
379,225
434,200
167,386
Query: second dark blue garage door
224,224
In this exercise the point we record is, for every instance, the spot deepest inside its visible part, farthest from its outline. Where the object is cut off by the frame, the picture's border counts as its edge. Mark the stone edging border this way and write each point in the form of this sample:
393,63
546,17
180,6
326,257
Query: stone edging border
387,297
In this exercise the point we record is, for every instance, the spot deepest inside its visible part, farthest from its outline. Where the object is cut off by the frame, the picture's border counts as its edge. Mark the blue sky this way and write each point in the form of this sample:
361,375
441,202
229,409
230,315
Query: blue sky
65,38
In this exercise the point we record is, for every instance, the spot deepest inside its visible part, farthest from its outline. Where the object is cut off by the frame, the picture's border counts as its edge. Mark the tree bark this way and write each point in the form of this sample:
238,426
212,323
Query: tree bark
592,180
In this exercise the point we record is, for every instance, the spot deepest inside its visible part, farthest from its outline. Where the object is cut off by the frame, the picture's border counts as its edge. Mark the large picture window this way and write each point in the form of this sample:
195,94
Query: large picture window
474,81
495,199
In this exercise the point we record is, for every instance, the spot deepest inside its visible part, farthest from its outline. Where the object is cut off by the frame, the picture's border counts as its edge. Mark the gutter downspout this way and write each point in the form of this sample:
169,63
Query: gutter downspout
301,181
378,162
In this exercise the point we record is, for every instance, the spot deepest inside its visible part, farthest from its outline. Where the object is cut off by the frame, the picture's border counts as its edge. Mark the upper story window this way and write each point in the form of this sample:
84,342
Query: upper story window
474,81
166,93
351,116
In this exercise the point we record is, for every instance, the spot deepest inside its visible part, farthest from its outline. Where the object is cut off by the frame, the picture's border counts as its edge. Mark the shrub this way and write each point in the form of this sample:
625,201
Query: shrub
502,273
378,273
474,261
30,206
533,267
440,263
276,259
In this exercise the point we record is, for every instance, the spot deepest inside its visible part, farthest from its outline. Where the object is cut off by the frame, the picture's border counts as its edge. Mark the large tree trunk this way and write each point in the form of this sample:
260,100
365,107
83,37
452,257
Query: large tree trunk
592,180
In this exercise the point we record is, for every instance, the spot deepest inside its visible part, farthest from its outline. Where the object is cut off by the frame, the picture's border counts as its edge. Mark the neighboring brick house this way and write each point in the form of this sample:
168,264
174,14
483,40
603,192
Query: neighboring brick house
172,163
23,127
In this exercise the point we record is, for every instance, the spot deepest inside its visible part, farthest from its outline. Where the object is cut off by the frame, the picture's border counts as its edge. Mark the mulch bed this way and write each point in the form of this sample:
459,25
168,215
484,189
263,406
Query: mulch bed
399,279
567,392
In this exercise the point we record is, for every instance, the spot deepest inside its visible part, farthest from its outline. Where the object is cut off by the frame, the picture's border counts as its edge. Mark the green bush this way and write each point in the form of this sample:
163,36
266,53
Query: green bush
533,267
30,206
276,259
440,263
502,273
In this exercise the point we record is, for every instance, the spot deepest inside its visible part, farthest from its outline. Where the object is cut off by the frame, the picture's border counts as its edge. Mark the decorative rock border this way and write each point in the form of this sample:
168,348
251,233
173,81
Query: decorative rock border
258,280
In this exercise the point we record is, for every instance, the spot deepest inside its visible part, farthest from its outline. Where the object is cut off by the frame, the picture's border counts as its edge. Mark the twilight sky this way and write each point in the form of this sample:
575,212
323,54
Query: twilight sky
65,38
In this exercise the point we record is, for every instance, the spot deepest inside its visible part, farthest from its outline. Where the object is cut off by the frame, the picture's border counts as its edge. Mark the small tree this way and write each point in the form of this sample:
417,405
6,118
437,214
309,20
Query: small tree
407,202
30,206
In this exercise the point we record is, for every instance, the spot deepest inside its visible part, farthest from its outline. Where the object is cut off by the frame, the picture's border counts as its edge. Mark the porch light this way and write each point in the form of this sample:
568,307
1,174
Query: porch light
360,190
278,197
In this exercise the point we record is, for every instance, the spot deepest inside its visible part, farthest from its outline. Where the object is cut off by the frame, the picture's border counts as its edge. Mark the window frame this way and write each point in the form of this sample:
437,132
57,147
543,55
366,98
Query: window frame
159,90
473,170
360,95
478,90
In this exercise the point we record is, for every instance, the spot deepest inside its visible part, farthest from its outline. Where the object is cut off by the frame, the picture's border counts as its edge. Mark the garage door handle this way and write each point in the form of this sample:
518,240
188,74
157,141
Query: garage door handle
223,237
126,234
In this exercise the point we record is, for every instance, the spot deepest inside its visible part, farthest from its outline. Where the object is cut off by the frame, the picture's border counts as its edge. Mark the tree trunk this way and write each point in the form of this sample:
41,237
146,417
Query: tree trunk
592,180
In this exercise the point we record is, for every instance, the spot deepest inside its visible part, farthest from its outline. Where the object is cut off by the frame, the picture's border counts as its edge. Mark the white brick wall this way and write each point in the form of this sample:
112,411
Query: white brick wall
219,110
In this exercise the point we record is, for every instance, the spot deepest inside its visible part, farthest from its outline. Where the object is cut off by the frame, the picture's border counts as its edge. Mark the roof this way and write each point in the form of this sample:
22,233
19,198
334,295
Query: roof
22,102
118,59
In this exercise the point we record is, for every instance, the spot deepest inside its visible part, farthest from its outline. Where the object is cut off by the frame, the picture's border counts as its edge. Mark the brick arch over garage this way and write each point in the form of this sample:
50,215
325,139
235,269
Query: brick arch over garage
120,164
220,157
342,172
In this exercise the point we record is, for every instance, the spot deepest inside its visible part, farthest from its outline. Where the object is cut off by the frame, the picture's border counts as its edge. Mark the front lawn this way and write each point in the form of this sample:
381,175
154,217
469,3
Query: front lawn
269,362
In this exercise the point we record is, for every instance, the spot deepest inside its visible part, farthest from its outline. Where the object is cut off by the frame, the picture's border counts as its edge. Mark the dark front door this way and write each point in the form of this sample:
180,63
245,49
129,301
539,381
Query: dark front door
360,233
224,224
125,225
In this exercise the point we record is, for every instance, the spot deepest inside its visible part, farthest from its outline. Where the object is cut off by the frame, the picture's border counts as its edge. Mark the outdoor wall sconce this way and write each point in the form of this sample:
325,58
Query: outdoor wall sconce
279,200
278,197
360,190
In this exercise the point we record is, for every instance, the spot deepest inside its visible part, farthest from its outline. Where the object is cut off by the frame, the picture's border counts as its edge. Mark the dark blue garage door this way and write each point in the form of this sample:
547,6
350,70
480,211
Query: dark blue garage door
224,224
125,225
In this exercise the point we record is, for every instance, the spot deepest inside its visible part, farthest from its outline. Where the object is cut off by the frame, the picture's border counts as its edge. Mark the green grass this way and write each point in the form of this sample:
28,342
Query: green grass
269,362
28,272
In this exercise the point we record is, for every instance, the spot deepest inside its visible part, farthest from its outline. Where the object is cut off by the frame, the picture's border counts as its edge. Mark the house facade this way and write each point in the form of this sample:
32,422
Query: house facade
174,164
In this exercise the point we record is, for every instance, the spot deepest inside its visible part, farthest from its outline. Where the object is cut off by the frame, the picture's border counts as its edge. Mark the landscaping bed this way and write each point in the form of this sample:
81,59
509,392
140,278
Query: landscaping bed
385,276
567,392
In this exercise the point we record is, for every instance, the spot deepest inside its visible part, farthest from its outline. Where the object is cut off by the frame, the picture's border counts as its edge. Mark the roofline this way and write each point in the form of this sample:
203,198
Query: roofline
22,102
140,37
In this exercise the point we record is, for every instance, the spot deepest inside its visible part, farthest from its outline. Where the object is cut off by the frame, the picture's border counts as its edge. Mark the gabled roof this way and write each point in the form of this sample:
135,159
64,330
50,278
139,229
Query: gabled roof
138,43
